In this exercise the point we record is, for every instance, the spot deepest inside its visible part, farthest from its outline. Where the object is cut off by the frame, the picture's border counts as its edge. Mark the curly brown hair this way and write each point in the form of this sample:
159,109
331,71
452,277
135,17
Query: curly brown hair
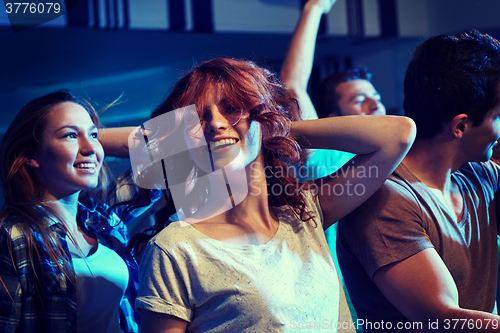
244,86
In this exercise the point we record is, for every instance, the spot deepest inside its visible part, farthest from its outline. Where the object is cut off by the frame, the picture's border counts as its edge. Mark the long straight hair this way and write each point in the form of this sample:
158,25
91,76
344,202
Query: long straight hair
23,192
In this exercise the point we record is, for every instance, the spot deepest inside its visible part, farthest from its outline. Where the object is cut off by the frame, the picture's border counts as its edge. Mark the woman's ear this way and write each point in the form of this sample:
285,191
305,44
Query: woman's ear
32,163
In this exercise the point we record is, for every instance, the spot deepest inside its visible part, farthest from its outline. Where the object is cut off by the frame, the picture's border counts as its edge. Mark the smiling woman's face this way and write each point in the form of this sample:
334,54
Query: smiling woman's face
71,156
232,138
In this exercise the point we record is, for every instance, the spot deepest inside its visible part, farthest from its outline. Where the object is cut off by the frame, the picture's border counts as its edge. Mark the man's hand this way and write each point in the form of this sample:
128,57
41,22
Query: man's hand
325,5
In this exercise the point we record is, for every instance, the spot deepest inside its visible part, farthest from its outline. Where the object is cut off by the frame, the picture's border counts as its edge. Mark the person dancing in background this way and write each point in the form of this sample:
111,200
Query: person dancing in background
341,94
64,268
263,264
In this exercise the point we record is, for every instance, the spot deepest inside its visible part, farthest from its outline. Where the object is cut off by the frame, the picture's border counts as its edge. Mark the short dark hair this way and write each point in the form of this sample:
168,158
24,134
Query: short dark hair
326,98
451,75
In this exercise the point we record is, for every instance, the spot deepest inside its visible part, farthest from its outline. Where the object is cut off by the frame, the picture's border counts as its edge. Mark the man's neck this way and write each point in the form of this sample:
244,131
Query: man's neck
433,162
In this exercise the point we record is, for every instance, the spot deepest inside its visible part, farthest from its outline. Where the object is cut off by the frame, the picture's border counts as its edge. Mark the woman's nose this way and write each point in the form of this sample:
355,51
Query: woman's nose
215,120
88,146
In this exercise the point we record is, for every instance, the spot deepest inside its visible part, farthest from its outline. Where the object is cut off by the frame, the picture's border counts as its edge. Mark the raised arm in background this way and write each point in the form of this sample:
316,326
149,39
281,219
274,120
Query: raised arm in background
299,60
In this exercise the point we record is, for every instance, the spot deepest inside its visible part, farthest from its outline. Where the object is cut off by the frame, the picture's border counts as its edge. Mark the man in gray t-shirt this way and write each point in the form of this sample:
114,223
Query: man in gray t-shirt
421,254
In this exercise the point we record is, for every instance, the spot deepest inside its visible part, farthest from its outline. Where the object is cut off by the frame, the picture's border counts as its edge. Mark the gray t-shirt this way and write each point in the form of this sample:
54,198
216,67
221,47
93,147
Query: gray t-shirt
403,218
284,285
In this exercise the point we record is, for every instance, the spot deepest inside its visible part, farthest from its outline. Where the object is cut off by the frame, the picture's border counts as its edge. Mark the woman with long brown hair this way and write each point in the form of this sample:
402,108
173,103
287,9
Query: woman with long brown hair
249,252
63,265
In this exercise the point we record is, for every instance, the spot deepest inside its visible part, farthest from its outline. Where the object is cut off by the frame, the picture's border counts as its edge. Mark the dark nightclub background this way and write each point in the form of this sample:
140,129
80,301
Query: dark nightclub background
137,49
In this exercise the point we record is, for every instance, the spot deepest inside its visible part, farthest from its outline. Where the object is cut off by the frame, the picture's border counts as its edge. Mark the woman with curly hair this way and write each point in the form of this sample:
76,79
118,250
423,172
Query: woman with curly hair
248,252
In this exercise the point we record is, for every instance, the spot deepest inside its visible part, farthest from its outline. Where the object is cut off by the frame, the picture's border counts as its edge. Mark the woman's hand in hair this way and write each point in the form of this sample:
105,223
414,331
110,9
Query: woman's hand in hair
379,142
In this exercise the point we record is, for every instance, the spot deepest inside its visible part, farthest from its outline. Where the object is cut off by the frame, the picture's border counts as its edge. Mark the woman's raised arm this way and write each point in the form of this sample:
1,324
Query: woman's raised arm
380,143
114,140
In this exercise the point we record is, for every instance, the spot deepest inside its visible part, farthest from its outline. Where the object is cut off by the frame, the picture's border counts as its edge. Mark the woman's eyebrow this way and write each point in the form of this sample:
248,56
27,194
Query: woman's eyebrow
75,127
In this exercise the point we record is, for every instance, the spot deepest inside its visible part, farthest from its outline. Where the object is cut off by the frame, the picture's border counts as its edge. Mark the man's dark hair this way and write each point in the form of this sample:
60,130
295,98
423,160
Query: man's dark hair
326,98
451,75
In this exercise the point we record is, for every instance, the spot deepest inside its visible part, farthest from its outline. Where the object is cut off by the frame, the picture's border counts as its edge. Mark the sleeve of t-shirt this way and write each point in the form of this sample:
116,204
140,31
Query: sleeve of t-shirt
314,207
386,229
162,286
